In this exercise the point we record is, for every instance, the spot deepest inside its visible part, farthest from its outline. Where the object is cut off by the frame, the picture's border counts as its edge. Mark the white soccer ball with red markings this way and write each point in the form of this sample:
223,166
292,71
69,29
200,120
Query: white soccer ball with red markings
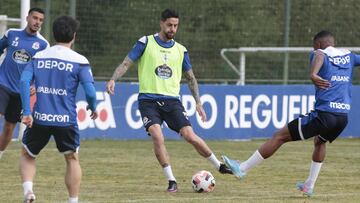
203,181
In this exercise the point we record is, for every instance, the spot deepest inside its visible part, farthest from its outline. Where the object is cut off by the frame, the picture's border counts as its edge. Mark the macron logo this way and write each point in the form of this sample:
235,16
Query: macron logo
51,117
337,105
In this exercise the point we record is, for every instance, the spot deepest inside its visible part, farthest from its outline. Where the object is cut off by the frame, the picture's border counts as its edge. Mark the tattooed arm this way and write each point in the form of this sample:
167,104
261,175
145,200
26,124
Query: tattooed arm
194,88
119,72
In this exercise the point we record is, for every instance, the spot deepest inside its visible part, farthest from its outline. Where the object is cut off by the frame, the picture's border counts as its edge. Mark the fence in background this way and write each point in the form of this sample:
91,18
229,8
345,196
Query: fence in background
109,29
241,71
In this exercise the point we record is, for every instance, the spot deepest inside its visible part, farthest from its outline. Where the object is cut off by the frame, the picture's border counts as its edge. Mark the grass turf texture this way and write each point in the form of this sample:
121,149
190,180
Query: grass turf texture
127,171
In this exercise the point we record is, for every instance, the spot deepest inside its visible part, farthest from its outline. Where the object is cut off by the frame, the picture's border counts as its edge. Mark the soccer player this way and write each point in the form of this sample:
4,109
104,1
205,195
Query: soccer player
21,45
331,72
162,61
56,72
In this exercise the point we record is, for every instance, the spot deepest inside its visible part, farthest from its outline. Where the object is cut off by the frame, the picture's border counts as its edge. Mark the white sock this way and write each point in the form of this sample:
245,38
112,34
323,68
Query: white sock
73,199
168,173
28,186
215,162
1,153
314,173
254,160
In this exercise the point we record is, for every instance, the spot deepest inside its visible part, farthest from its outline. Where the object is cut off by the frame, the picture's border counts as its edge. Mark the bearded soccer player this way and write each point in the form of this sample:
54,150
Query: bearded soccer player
20,45
161,62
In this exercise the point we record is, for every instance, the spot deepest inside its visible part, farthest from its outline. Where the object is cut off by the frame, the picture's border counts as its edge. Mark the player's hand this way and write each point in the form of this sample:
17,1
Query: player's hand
32,90
201,112
320,82
110,87
27,120
93,115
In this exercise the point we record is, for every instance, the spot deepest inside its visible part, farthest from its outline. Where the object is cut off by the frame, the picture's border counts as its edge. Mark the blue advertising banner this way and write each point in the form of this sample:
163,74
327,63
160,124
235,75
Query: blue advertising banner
234,112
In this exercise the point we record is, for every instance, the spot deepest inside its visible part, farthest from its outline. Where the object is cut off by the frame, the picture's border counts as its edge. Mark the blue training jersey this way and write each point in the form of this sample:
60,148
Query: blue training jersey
138,50
338,70
57,72
20,48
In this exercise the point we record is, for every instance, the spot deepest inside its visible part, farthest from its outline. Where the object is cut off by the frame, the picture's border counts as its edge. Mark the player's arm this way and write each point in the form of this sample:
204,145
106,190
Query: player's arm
316,65
194,88
118,73
25,81
87,82
90,94
135,53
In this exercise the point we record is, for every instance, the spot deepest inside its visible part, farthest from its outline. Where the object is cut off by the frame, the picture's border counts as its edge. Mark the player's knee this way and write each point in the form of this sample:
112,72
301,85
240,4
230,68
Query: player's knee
25,154
282,137
8,128
158,139
71,156
318,142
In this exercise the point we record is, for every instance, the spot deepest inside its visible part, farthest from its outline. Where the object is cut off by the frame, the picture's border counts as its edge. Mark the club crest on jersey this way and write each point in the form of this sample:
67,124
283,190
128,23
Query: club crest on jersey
163,71
36,45
21,56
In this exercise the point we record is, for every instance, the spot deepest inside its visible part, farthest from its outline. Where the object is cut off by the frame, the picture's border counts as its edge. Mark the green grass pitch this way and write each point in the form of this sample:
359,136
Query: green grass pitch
127,171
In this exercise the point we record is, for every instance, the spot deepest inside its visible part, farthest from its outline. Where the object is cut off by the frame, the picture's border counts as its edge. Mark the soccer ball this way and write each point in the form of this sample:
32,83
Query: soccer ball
203,181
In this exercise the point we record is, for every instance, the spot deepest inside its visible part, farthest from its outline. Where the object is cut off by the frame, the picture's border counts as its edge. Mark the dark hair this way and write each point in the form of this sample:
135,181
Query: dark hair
64,28
39,10
169,13
322,34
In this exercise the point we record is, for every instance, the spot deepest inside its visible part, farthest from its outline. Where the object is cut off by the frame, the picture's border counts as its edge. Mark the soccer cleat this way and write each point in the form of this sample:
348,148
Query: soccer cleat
172,186
303,188
234,166
223,169
29,197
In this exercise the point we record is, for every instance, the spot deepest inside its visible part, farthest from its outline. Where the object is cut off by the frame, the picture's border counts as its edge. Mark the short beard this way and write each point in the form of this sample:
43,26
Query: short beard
168,36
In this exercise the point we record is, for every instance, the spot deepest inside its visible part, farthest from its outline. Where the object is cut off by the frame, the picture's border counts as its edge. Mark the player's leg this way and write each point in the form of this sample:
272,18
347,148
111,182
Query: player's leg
271,146
175,116
35,139
330,126
199,144
27,171
73,176
162,155
265,151
8,127
159,144
299,129
68,143
203,149
152,122
6,135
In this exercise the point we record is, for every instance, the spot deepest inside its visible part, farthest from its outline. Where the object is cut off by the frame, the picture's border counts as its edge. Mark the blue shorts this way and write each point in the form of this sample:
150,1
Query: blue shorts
10,105
67,138
326,125
170,111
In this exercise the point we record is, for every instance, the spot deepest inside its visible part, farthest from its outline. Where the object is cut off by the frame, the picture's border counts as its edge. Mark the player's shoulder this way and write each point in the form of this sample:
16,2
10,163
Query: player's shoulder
42,38
12,31
62,53
180,46
334,52
143,39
